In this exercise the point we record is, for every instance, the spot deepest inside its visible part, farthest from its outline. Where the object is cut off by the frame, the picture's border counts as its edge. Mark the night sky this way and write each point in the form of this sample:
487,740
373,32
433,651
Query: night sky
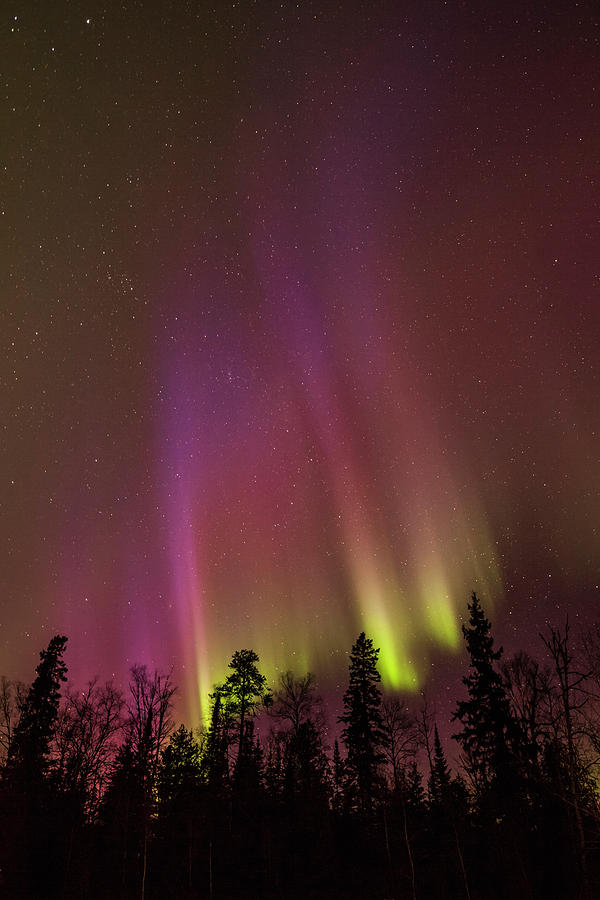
300,332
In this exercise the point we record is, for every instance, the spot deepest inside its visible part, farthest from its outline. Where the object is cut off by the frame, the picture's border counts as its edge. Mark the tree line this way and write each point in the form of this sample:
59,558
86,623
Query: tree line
102,796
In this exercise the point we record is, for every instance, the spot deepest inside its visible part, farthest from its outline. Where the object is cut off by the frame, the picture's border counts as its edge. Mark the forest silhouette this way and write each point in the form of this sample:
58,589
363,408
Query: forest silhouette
102,796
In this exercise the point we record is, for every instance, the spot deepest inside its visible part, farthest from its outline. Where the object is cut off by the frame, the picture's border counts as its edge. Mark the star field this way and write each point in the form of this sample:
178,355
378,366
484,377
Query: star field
300,326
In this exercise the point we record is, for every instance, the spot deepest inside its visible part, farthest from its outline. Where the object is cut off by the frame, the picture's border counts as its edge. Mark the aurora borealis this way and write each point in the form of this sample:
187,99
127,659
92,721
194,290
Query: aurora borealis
300,332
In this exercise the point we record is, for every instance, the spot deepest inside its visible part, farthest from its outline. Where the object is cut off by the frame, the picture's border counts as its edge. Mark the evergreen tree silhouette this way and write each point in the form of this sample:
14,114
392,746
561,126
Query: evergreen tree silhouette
244,689
122,821
181,811
448,810
179,772
363,733
215,755
491,744
440,780
29,755
33,850
485,714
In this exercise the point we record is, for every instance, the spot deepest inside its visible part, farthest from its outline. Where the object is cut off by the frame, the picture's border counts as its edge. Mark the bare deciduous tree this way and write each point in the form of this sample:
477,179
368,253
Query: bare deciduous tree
149,720
528,687
86,742
12,696
425,723
573,698
400,729
295,700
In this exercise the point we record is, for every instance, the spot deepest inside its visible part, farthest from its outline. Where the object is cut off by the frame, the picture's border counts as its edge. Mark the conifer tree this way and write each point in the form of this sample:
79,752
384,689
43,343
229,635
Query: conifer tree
31,820
179,771
243,690
485,714
215,763
413,788
248,772
29,754
363,733
123,815
181,809
307,775
440,780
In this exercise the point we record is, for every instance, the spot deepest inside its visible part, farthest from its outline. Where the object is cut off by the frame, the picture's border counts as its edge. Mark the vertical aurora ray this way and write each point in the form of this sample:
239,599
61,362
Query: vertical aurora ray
309,488
181,462
189,600
300,331
404,587
321,463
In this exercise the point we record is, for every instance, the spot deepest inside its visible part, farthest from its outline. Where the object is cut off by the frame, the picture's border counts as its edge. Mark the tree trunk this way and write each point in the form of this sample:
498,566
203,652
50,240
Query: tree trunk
409,850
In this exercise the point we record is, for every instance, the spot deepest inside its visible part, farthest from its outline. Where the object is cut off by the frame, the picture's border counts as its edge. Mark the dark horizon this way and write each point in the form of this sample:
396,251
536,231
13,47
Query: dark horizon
103,794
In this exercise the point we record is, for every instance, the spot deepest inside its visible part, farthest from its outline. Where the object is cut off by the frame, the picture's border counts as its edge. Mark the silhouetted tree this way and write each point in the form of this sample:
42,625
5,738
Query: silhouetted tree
485,714
149,721
566,751
448,811
129,804
87,738
493,753
363,733
527,688
295,700
171,814
123,816
12,699
424,722
34,828
215,756
29,755
440,778
244,689
179,772
307,774
304,763
181,811
399,727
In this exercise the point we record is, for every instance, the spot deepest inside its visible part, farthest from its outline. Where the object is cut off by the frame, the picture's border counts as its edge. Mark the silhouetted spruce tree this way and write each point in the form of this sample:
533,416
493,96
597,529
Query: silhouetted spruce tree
215,753
248,772
447,813
237,822
307,776
413,789
300,839
440,779
485,714
363,733
181,812
29,755
34,830
179,772
492,751
274,768
121,829
244,689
